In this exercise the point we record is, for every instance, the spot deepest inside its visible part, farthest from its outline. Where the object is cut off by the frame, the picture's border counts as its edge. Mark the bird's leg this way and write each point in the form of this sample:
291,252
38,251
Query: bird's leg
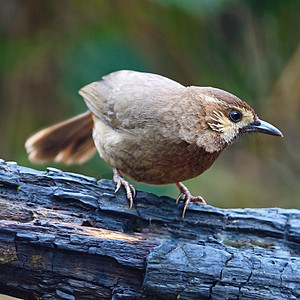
120,181
187,197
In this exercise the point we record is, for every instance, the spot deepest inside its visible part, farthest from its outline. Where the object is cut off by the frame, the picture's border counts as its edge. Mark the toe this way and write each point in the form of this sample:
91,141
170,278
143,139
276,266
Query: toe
198,199
186,204
129,194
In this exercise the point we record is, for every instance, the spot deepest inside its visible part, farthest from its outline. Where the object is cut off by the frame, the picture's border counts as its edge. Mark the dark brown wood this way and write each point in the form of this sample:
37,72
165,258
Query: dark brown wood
63,236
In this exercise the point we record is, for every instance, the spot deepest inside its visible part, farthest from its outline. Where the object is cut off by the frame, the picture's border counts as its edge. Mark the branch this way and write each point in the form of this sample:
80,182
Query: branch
63,236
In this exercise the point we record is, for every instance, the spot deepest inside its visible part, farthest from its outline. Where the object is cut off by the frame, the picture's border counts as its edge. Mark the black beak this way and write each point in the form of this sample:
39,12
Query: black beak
262,127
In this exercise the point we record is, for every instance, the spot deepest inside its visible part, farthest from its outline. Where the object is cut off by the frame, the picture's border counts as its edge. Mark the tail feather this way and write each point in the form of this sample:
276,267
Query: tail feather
68,142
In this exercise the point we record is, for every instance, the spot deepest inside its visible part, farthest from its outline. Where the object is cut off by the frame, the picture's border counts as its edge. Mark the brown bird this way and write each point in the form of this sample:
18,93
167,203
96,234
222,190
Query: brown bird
149,128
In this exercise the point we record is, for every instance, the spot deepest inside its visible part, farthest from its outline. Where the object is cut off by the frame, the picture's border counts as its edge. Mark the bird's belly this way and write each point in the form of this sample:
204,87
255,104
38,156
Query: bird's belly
148,157
178,163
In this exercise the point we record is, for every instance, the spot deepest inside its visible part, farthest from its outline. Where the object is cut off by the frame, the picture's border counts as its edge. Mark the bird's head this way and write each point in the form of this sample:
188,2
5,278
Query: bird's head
227,118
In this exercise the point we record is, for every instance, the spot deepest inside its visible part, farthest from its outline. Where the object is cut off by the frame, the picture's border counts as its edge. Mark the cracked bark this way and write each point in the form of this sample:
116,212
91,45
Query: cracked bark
63,236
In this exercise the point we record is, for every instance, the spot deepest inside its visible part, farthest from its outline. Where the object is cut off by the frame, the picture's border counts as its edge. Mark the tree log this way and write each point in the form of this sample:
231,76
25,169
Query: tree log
65,236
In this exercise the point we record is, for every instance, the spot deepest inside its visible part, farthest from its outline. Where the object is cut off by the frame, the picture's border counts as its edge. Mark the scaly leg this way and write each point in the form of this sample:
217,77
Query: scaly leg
120,181
187,197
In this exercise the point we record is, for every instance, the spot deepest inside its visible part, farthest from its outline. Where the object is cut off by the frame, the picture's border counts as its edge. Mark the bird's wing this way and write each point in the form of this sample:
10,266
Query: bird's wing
129,99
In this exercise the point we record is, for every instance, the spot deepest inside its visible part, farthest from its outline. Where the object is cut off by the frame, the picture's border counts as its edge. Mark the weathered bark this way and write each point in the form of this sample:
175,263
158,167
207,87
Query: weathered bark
63,236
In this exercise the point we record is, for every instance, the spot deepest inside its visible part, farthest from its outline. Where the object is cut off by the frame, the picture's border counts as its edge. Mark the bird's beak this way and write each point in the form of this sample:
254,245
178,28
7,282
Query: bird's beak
262,127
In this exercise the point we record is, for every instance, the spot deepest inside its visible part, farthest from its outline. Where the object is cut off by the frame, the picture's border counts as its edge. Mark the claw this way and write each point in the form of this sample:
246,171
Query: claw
118,186
133,190
186,196
182,196
120,181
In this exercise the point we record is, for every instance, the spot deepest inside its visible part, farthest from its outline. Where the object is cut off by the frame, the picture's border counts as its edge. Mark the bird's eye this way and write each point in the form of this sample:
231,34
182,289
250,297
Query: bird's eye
235,116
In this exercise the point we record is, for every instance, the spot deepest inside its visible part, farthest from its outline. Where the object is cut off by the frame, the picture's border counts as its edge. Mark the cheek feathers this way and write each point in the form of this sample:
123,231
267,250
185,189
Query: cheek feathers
224,128
210,141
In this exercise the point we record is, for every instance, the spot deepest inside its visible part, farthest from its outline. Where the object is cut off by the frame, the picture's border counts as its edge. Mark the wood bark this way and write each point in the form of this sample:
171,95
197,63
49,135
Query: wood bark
65,236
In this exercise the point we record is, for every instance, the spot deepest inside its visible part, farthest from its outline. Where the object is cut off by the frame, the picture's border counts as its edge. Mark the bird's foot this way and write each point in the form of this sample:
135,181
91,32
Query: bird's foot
187,197
120,181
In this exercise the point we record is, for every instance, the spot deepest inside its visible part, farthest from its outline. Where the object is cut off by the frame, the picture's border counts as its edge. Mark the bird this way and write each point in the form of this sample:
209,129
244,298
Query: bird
149,128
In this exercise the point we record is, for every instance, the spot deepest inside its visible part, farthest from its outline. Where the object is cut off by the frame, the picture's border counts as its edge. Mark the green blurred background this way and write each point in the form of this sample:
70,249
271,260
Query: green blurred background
50,49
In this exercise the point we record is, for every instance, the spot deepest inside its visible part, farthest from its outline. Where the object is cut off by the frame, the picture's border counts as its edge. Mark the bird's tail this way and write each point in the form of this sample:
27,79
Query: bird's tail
68,142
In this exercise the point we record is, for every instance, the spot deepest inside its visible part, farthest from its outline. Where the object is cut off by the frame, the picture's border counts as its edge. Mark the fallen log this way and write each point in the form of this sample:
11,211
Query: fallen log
65,236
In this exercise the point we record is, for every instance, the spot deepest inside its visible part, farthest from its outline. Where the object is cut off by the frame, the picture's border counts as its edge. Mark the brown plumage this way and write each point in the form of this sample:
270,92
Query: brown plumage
149,128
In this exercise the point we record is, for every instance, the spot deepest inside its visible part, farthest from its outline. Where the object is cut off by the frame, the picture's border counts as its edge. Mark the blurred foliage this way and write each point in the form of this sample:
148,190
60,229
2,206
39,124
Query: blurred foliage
50,49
